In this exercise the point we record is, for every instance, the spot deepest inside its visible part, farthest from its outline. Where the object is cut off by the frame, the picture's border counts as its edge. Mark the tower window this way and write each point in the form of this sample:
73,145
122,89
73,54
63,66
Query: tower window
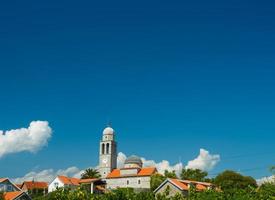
108,148
102,148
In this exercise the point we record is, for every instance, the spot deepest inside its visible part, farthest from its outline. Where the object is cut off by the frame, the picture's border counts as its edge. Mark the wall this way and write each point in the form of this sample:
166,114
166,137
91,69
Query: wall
133,182
52,186
173,190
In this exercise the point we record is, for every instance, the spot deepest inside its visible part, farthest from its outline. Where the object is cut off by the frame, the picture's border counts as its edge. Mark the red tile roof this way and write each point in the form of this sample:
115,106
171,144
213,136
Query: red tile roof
35,185
12,195
183,184
69,181
147,171
88,180
3,179
180,184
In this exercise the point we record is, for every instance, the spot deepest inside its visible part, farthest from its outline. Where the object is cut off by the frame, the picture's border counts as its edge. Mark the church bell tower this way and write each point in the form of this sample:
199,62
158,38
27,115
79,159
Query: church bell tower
107,152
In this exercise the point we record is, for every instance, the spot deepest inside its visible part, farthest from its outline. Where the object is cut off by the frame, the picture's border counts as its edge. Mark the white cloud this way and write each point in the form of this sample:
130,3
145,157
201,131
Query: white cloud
121,157
48,175
161,166
29,139
205,161
269,179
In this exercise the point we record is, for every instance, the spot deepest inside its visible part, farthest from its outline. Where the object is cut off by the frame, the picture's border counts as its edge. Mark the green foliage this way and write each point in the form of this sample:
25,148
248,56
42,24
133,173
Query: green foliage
265,192
234,187
1,196
90,173
229,180
156,180
168,174
193,174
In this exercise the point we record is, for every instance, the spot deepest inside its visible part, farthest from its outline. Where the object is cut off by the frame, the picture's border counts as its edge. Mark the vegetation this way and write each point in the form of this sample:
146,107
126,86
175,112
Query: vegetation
234,186
229,180
157,179
168,174
193,174
90,173
1,196
265,192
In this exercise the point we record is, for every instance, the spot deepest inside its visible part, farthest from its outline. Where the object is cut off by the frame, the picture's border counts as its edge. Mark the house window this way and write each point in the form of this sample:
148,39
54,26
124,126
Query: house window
139,181
127,182
9,188
55,185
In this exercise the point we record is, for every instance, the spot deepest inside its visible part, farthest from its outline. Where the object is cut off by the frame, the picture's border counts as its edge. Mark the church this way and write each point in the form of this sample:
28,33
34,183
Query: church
132,175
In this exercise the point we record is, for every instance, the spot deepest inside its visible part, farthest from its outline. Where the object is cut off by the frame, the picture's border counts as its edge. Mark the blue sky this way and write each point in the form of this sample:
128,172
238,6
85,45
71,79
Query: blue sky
173,77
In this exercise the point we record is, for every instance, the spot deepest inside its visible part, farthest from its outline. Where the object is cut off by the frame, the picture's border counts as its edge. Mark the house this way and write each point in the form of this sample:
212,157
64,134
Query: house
171,187
132,175
11,191
34,187
93,185
63,182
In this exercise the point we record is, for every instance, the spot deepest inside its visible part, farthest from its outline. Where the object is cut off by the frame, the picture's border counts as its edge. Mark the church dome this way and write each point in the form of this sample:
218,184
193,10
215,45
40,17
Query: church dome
133,160
108,131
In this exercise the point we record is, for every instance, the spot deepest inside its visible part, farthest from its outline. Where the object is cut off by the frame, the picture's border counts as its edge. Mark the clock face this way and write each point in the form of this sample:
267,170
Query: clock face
104,161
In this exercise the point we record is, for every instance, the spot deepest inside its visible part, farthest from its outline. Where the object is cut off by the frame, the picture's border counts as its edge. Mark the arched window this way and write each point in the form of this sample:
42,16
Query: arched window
108,148
103,148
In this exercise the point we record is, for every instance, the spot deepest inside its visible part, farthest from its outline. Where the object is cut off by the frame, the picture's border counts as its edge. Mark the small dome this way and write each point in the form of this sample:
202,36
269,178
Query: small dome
108,131
133,160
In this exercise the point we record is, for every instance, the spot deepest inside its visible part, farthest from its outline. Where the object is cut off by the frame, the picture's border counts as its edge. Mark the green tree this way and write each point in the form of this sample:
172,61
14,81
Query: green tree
156,180
193,174
233,180
267,190
1,196
90,173
171,174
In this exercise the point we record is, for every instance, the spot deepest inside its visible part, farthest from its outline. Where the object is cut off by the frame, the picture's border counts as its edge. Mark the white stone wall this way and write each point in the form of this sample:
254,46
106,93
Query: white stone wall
131,182
56,183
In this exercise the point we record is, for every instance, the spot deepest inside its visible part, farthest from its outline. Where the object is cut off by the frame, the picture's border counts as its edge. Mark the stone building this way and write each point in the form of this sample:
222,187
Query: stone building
132,175
170,187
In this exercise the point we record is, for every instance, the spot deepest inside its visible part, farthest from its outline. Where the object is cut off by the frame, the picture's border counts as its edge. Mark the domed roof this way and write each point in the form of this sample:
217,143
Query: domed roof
108,131
133,160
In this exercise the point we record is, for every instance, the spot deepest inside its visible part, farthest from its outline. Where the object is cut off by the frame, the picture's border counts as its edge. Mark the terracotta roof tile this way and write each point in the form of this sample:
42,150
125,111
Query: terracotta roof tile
201,187
147,171
69,181
180,184
183,184
12,195
3,179
33,184
88,180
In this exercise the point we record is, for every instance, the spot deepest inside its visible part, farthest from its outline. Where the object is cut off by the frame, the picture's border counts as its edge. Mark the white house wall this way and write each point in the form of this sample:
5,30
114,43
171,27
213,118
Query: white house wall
54,184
